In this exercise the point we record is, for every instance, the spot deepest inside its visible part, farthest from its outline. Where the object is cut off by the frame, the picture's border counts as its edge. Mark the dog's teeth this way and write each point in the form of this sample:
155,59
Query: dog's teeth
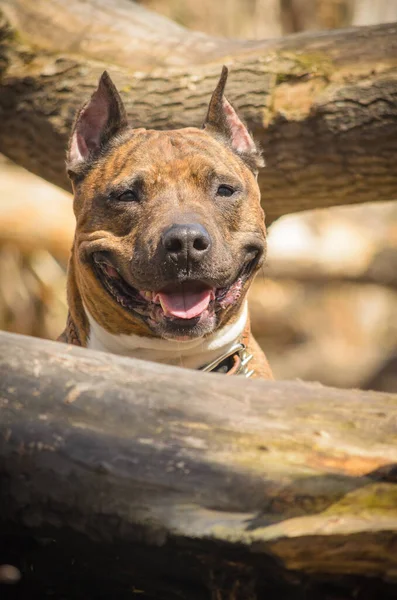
163,307
147,295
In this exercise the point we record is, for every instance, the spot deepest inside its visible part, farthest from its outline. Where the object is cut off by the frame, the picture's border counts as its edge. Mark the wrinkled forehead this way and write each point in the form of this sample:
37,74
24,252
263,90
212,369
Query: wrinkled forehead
184,154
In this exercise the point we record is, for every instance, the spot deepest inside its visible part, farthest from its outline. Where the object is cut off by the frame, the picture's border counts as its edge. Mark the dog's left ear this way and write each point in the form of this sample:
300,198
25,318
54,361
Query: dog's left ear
223,122
102,117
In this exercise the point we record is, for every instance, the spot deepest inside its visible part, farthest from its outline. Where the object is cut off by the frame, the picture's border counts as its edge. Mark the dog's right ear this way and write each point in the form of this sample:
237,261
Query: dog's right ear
97,122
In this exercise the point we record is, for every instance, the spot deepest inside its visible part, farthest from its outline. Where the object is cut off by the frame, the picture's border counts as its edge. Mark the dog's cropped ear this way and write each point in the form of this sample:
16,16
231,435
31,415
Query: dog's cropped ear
97,122
223,122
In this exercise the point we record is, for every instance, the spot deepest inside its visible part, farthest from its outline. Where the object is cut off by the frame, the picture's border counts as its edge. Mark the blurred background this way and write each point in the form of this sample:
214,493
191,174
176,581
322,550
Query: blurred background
272,18
325,306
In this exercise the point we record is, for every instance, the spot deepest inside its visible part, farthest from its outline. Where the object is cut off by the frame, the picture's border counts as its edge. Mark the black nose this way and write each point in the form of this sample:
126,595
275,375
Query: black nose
187,242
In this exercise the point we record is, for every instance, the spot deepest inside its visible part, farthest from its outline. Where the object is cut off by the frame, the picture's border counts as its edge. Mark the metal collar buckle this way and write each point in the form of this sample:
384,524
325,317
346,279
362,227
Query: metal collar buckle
241,363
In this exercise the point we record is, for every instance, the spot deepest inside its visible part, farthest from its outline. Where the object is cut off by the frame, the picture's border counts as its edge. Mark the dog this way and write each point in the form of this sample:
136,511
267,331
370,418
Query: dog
169,235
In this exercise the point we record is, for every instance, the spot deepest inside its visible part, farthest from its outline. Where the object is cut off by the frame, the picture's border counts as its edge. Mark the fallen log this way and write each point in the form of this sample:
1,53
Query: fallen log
34,216
323,106
128,477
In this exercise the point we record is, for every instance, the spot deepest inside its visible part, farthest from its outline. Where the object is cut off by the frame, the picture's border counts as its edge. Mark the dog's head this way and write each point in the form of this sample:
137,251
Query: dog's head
170,231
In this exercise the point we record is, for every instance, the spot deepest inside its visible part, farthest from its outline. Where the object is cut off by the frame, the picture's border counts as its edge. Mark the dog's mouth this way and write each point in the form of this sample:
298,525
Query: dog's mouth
180,306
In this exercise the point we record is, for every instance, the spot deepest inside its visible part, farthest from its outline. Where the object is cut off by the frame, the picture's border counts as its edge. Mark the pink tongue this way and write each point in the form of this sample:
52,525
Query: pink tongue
185,305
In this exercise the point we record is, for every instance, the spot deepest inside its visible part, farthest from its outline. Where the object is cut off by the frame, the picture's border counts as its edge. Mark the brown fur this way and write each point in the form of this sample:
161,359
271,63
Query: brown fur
175,174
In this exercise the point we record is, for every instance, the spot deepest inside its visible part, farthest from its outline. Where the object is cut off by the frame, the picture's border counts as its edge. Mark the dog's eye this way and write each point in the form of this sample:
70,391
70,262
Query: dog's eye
128,196
225,191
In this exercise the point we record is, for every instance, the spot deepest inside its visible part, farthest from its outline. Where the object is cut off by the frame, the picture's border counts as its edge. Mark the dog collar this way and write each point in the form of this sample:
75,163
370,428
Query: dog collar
234,362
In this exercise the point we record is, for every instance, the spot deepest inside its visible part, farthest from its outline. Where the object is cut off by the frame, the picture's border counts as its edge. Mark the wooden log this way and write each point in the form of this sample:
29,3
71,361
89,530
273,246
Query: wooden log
122,475
323,106
380,270
34,215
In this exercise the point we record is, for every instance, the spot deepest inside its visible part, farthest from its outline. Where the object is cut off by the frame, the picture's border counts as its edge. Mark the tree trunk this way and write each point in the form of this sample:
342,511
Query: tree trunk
124,475
323,106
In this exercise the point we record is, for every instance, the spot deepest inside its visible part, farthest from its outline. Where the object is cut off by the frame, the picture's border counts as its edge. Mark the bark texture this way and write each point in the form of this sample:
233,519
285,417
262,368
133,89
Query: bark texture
125,475
323,106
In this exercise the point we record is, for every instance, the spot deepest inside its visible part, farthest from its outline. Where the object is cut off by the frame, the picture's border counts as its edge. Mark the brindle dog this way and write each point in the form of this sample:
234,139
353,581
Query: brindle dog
169,235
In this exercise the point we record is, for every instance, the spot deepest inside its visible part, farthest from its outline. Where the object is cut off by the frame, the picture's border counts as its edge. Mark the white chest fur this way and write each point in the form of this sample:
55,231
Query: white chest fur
191,354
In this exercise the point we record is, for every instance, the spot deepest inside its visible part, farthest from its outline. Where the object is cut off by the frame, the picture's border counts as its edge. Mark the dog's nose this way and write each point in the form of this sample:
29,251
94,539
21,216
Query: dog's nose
191,241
